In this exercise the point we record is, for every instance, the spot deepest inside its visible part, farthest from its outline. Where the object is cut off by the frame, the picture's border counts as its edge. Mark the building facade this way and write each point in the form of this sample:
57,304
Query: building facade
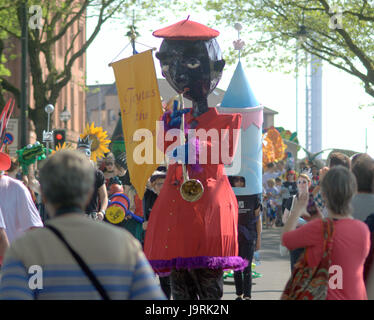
72,96
103,105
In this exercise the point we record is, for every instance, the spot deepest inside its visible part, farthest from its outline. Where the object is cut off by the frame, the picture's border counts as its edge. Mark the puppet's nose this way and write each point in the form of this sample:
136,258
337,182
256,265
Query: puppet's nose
181,77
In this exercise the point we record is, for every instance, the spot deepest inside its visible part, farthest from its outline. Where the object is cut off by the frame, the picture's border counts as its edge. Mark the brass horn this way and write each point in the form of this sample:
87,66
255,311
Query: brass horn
191,189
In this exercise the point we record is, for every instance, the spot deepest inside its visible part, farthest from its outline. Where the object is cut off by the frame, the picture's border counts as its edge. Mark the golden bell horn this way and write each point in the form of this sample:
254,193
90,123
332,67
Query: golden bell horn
191,189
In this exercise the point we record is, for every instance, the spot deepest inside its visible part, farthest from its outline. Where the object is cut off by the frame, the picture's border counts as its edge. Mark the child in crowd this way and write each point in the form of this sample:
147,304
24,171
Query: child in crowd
315,178
272,193
289,188
278,202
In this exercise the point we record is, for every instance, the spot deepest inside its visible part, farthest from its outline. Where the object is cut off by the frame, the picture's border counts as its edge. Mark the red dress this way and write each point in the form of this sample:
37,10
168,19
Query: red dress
200,234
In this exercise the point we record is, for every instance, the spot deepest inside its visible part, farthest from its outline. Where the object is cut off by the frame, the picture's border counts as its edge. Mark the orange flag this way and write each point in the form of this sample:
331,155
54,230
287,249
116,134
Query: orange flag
141,108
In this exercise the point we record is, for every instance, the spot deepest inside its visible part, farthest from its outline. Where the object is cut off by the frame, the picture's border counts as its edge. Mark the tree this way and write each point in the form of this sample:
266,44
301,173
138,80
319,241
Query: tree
57,18
7,22
338,33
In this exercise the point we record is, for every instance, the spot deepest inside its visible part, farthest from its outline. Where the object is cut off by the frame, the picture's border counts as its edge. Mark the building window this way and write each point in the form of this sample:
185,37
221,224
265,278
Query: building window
81,109
72,107
60,42
81,61
81,42
60,108
111,116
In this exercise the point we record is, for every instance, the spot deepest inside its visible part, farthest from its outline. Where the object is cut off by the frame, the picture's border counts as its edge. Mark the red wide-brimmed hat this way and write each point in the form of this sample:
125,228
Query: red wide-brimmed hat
186,30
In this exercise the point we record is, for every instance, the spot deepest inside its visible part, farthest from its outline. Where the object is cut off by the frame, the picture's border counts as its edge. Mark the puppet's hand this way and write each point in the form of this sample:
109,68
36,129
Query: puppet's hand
176,116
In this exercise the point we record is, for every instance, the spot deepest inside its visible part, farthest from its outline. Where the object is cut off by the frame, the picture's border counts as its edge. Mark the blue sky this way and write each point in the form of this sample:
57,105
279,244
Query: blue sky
343,123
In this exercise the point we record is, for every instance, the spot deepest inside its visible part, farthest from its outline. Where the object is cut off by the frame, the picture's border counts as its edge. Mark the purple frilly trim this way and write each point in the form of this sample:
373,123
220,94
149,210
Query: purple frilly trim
226,263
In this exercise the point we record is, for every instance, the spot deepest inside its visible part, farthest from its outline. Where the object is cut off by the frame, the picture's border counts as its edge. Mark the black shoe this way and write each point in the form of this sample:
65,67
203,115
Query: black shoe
239,298
246,298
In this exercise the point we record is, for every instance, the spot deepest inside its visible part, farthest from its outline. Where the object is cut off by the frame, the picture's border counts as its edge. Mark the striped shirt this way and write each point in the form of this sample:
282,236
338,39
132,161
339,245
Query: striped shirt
39,266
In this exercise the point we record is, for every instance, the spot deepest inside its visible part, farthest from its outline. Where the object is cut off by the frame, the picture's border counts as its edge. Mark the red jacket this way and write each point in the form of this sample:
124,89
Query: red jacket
194,234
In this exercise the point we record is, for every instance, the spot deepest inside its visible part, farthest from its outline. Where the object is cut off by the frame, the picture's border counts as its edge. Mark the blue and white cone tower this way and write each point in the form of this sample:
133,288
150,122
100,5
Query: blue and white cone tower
247,163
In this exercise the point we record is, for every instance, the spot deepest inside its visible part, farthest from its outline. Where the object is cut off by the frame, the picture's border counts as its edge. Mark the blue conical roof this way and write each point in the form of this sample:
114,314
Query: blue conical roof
239,93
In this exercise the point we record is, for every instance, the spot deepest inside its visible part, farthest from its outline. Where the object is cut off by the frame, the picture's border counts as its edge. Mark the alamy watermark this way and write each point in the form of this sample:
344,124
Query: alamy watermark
336,277
336,20
36,278
35,21
211,146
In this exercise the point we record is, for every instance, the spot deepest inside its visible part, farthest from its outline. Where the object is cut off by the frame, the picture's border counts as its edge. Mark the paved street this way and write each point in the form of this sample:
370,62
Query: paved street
275,270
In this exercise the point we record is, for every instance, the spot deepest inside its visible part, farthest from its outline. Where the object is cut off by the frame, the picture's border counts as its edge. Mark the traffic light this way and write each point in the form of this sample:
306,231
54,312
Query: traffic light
59,136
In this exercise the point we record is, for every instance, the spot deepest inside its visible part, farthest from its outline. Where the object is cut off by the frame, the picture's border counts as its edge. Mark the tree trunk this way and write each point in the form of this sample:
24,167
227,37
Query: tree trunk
39,116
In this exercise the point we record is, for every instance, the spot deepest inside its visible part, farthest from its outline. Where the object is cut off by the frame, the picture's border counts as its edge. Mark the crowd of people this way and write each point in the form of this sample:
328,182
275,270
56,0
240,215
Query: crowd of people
75,192
69,184
342,191
85,228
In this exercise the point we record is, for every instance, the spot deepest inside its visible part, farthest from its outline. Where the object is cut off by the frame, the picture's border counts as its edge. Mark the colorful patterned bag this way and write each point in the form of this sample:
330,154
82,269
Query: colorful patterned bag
311,283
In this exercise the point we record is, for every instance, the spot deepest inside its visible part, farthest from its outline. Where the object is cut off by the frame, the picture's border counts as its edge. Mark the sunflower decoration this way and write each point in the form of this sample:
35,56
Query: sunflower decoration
64,146
99,141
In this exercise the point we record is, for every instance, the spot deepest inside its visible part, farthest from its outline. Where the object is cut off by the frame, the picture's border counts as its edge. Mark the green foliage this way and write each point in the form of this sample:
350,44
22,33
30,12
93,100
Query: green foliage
3,70
270,30
58,19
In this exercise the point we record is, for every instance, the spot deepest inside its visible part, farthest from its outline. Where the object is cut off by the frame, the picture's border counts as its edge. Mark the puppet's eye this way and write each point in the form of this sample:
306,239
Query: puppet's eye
193,64
165,68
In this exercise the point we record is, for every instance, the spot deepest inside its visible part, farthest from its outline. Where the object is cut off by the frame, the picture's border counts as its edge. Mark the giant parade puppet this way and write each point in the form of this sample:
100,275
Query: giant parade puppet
192,232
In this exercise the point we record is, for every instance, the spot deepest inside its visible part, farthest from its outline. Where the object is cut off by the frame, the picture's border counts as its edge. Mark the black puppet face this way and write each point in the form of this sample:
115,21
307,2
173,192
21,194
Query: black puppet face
194,66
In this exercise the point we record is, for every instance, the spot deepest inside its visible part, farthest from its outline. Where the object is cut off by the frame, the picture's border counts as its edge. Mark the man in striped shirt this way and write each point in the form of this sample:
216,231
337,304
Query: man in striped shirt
38,265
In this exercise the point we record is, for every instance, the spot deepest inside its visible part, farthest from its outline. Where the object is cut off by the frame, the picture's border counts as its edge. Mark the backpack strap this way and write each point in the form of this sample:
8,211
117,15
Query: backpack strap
328,234
81,263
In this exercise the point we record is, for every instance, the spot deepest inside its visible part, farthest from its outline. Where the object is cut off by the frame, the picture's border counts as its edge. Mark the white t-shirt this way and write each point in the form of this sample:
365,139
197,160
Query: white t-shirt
2,223
18,209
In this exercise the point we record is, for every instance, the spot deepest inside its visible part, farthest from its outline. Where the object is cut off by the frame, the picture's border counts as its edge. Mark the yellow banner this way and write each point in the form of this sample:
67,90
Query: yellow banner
140,102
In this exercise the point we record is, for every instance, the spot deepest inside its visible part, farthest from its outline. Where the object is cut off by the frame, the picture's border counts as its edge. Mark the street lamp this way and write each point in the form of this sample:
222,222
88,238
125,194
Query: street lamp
65,116
302,33
47,136
301,37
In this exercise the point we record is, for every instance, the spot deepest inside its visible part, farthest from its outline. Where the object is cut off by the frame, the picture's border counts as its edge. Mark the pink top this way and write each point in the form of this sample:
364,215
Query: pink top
351,245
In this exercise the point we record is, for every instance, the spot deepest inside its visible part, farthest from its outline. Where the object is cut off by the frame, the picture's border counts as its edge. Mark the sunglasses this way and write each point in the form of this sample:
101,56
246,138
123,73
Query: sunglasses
109,164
